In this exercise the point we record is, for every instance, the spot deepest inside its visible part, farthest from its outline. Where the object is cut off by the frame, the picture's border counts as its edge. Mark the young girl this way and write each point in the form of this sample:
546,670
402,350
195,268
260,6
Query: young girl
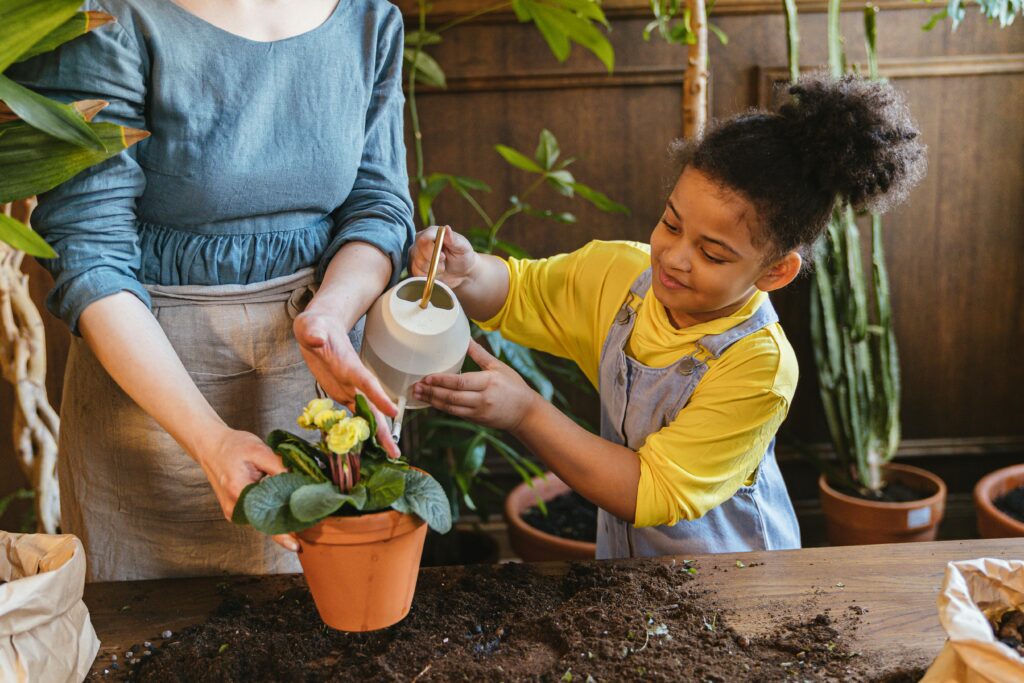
694,372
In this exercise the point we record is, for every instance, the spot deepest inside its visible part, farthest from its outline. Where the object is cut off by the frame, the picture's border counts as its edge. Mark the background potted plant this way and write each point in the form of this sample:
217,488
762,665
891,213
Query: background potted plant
360,517
999,503
42,144
865,497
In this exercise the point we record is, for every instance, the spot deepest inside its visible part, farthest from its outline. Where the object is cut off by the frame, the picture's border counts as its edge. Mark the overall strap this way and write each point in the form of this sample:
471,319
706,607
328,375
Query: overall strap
716,344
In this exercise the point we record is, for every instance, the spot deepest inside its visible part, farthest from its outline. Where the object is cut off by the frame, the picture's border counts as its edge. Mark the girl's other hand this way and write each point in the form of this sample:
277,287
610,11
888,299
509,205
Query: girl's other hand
232,460
495,397
328,351
457,256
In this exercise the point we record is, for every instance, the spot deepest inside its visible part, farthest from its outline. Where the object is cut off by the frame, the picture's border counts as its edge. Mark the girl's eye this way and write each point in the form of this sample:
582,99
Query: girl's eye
711,258
671,228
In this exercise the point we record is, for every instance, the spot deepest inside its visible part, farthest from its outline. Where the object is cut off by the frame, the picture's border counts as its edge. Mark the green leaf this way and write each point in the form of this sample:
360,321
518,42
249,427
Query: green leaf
520,161
561,217
424,497
473,457
466,183
428,71
418,37
61,121
562,181
513,250
313,502
22,237
267,505
719,33
238,514
384,487
580,30
24,21
297,454
78,25
521,360
599,200
547,150
935,19
34,162
556,39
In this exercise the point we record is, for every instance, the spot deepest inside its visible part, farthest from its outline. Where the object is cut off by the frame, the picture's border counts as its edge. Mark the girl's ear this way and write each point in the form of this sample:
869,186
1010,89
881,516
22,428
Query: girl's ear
780,273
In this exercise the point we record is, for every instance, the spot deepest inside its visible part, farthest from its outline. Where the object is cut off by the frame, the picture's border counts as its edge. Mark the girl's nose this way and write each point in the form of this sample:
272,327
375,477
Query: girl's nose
680,257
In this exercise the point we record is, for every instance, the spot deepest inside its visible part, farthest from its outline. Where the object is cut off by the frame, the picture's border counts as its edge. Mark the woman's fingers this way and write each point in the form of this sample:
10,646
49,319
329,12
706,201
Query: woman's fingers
452,400
287,541
483,357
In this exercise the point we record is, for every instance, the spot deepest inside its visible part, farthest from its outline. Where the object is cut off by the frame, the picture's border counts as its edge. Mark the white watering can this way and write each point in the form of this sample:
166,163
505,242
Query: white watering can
416,328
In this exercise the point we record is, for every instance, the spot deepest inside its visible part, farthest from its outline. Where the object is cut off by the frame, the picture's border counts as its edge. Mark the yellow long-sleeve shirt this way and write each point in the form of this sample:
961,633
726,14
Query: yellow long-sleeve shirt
565,305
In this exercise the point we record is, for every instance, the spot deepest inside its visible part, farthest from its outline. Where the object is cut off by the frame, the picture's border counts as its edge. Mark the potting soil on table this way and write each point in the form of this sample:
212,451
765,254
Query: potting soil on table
597,622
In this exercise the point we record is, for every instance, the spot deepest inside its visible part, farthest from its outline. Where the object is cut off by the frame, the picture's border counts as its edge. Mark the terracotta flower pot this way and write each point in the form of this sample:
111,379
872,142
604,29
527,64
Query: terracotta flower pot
855,521
362,570
993,522
529,542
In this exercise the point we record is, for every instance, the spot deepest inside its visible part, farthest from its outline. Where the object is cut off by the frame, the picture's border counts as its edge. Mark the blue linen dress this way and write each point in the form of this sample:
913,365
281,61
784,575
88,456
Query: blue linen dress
264,159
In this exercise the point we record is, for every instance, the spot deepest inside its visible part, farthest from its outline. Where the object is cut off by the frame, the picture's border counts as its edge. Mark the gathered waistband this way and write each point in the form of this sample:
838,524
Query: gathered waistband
284,288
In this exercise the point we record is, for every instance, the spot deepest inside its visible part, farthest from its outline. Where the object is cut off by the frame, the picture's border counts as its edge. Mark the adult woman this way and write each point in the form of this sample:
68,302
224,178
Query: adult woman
275,170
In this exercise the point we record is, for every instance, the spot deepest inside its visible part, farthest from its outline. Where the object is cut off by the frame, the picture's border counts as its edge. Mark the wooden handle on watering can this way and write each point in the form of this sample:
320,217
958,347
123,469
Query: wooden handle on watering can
435,259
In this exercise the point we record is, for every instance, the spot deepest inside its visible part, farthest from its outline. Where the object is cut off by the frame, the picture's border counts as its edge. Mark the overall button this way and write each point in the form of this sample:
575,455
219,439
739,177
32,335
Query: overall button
623,316
687,365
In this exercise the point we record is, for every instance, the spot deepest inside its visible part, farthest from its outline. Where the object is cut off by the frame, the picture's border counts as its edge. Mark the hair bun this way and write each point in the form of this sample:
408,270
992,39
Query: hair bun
855,138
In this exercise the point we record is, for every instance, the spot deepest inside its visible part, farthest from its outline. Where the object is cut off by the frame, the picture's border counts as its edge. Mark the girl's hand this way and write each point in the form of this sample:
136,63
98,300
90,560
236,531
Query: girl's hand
325,345
457,256
495,397
232,460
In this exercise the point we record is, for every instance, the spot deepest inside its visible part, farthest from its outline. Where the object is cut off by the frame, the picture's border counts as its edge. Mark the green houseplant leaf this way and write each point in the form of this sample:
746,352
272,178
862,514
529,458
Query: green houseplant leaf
267,505
35,162
313,502
517,159
20,236
25,22
297,454
61,121
384,487
78,25
424,497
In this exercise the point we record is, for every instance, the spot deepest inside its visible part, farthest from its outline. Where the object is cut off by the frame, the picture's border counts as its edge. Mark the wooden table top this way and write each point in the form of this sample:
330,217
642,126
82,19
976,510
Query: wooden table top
895,585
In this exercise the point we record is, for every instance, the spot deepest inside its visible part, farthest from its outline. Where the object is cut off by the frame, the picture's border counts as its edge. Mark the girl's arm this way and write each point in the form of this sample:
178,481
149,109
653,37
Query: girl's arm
603,472
130,344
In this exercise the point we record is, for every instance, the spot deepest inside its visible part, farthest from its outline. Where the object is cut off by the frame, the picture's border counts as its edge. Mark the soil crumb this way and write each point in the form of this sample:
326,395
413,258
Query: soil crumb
598,622
570,515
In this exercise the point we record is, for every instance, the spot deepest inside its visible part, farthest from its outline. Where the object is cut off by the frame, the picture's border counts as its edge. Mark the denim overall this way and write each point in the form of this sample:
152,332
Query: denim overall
637,400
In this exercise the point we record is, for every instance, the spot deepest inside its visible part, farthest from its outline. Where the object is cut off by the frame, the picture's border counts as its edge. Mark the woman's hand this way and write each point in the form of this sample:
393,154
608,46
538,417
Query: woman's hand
325,345
457,256
495,397
232,460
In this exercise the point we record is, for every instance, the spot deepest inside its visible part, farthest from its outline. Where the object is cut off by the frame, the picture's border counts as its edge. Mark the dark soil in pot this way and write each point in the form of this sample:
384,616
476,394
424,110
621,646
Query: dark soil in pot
892,492
598,622
570,515
1012,503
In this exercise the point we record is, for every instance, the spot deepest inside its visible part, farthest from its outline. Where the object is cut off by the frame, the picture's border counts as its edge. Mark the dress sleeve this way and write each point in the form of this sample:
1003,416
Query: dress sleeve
716,443
90,220
378,210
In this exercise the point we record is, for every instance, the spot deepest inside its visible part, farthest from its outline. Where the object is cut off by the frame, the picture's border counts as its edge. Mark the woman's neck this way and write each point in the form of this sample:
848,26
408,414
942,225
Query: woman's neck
262,20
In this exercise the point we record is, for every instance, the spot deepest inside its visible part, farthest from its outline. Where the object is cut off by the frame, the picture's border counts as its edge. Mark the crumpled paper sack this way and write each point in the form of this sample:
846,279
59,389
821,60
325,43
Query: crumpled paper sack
972,589
45,632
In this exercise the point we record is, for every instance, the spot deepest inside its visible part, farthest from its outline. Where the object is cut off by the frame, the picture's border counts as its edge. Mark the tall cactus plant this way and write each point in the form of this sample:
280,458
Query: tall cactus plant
851,323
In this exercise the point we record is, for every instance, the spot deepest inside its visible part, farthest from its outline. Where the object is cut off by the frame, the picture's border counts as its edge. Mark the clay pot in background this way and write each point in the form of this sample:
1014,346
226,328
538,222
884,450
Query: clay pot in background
362,570
993,522
855,521
530,543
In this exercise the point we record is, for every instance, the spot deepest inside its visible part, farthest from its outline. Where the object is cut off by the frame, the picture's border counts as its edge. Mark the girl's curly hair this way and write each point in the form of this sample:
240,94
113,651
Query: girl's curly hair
834,138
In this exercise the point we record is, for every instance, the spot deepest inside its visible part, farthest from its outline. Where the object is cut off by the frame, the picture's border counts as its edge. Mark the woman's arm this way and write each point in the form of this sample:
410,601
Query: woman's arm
604,473
130,344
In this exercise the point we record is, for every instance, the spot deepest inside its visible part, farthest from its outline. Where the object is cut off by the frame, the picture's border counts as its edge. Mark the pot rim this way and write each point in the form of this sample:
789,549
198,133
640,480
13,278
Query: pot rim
358,529
983,494
514,517
934,499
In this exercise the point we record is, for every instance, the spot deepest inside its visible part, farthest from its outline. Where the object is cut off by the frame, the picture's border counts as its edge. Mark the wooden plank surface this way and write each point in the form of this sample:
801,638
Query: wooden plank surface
895,586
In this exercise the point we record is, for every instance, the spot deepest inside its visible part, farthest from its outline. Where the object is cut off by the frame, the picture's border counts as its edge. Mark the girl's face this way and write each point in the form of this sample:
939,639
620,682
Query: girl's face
704,262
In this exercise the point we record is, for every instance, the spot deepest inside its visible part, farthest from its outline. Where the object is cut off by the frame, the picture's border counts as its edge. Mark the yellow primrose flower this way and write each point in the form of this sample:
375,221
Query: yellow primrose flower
344,435
314,408
362,427
325,419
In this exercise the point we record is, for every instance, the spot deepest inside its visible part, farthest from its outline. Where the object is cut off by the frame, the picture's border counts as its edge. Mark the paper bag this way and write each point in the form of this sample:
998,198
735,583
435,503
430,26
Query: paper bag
973,591
45,632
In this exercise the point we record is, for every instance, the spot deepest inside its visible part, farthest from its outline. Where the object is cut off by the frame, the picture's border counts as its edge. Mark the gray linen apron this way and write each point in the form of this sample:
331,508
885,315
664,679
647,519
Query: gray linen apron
141,506
637,400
